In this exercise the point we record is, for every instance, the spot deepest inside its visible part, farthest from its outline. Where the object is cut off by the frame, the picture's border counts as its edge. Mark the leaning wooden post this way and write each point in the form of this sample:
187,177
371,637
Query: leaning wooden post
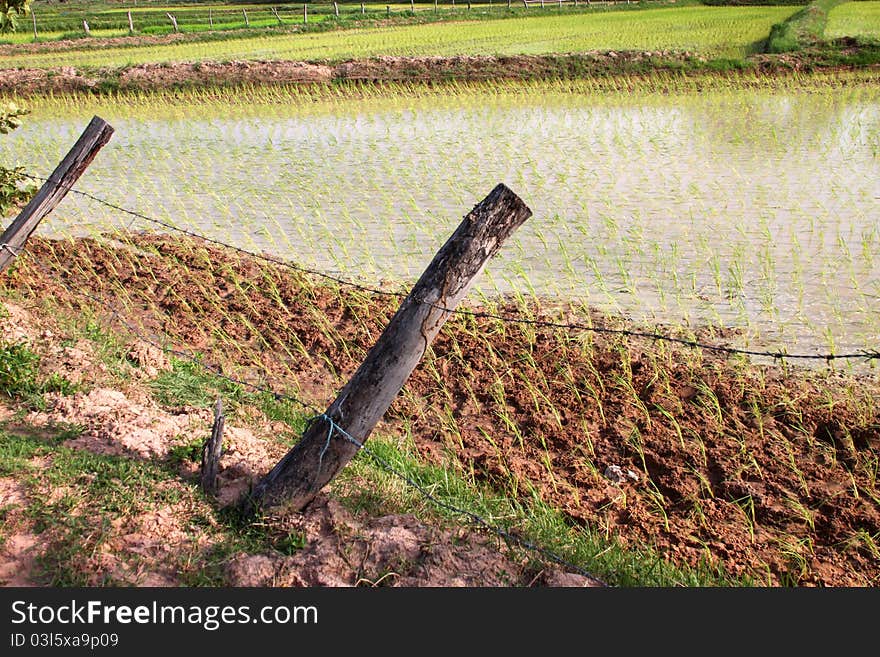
247,23
173,21
93,138
324,449
130,24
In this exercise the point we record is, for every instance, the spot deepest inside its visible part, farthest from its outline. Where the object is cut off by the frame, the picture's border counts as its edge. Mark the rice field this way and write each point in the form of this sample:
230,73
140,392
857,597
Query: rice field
854,19
734,207
712,31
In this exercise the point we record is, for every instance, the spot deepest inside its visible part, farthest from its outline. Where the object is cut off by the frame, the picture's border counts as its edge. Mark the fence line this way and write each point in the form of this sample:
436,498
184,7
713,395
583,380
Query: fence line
778,355
474,518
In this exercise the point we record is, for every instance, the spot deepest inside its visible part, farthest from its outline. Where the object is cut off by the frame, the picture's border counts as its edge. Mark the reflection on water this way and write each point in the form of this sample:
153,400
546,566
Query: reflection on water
751,209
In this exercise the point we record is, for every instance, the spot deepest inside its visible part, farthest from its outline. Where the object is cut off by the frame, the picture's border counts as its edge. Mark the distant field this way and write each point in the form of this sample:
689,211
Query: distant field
713,31
854,19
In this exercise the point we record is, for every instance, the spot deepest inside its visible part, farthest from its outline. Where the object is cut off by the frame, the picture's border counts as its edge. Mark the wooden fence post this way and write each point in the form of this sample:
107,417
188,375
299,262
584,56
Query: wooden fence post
211,18
130,24
305,14
93,138
212,450
247,23
34,19
336,9
324,450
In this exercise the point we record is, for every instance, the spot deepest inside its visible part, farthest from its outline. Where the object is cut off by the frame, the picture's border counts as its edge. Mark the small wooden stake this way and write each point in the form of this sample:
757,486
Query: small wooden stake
247,23
324,450
34,19
93,138
212,450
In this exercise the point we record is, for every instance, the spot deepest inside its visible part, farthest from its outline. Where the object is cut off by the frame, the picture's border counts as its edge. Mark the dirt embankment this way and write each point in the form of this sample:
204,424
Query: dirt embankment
29,81
769,472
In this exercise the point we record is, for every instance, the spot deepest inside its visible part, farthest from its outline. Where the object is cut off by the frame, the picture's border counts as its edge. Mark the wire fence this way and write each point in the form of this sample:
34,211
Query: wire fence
335,429
103,273
866,354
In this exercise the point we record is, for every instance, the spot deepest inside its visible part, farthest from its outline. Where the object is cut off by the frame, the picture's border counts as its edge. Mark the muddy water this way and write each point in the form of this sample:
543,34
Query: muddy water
755,210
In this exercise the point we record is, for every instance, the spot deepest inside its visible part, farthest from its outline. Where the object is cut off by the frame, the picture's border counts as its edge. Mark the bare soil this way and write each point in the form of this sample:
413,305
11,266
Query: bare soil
142,77
340,547
767,471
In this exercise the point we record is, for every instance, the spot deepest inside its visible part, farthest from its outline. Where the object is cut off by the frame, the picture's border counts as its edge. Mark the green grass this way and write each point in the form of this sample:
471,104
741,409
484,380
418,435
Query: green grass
805,27
854,19
712,31
77,499
369,485
20,375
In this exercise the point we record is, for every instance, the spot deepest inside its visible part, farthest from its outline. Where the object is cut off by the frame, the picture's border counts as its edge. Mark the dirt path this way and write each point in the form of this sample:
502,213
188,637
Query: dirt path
29,81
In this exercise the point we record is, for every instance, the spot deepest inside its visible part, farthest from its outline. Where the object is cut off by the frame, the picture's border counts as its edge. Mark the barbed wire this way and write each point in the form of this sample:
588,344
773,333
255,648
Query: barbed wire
336,429
778,355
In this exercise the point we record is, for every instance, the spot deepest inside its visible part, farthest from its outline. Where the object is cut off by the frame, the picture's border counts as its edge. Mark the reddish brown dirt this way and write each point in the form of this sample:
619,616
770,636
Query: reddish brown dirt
621,65
771,473
156,546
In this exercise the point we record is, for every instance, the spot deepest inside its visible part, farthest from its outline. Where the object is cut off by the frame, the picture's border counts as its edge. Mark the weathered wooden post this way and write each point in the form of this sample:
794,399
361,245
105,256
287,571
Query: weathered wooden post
211,18
93,138
305,14
86,28
130,24
363,9
212,450
173,21
412,6
34,19
336,9
247,23
324,450
275,11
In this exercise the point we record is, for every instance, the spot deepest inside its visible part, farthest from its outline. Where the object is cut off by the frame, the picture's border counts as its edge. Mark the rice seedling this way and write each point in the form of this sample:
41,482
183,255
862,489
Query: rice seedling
854,19
721,31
